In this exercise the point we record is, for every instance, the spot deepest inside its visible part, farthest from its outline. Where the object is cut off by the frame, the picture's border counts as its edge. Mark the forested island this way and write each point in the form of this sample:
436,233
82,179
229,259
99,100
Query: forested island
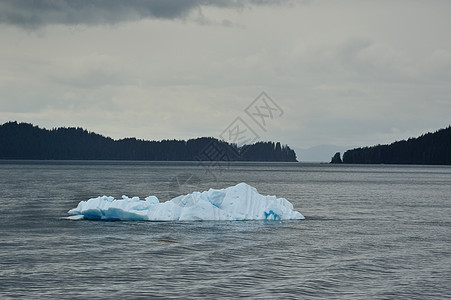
428,149
26,141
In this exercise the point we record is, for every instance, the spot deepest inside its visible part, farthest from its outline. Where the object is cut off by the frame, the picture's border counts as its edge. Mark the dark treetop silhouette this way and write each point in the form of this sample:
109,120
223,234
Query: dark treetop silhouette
25,141
428,149
336,159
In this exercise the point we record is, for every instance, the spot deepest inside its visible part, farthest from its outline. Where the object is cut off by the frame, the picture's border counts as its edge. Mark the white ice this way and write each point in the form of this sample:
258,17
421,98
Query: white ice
239,202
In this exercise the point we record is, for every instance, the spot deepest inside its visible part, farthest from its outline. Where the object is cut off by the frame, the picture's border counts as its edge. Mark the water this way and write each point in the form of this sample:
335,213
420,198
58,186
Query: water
370,232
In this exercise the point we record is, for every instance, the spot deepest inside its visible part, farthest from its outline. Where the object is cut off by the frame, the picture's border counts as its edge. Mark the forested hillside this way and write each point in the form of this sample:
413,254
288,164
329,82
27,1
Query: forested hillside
25,141
428,149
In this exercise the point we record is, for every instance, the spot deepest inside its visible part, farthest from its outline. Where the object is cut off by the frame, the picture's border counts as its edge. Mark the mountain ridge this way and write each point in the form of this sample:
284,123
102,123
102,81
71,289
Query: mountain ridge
427,149
28,141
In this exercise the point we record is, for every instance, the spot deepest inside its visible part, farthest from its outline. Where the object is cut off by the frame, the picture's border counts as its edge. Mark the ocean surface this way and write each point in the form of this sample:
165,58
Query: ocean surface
371,232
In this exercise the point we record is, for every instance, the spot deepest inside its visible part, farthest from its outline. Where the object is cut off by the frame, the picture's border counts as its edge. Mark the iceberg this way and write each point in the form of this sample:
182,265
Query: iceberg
239,202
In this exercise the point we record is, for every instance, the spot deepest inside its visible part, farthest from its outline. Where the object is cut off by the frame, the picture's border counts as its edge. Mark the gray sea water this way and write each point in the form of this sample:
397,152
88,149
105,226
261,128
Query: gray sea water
380,232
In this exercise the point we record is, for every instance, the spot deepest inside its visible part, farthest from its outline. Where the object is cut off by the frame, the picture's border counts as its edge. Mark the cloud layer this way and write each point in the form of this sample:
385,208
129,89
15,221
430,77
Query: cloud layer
34,14
352,73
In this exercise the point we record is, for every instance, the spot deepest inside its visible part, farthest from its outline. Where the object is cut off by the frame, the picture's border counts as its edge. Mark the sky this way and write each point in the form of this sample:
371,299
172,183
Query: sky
344,73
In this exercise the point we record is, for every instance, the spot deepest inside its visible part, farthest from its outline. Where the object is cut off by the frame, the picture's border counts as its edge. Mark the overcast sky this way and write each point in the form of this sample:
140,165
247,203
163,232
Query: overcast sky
348,73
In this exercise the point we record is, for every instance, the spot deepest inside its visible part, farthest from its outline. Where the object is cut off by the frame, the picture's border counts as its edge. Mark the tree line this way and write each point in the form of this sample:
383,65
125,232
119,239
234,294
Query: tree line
428,149
26,141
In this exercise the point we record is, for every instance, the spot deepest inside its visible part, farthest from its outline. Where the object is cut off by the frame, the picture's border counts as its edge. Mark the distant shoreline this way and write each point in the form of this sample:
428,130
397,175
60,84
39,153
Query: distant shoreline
27,141
196,163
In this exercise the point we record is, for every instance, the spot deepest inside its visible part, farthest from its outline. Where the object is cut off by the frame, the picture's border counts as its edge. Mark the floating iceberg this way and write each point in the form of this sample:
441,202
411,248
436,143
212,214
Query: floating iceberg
239,202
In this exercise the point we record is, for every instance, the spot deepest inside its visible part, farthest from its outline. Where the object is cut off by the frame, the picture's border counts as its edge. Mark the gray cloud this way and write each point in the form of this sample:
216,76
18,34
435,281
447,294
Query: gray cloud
32,14
341,75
